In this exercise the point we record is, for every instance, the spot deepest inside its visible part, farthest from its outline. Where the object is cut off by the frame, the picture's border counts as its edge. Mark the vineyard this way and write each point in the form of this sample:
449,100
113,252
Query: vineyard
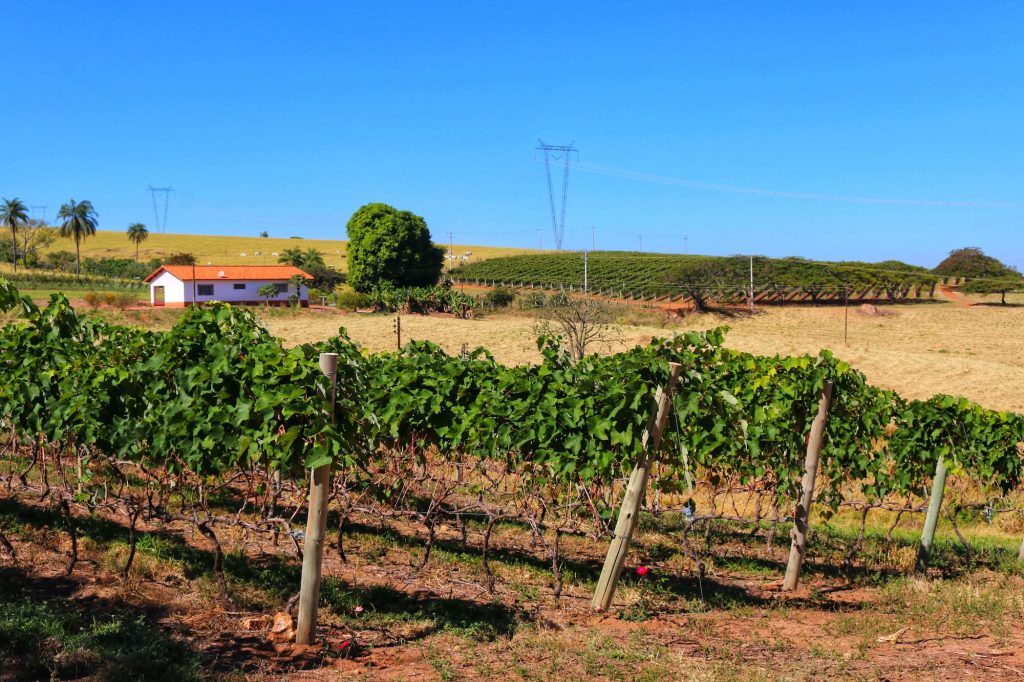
642,276
58,281
213,427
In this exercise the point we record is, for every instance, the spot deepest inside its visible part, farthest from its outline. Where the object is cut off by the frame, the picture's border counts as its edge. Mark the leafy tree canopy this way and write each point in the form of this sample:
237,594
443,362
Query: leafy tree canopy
984,274
388,245
971,262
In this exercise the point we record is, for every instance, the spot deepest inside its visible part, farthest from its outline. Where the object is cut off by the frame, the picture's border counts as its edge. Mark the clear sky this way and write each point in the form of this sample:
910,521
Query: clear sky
287,117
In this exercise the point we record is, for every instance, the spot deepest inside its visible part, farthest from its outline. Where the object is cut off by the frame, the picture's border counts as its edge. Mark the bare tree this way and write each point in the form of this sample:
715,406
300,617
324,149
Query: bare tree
583,323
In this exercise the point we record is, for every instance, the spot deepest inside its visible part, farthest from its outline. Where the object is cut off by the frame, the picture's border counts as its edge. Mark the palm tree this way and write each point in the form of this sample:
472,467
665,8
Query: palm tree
137,233
79,222
293,256
13,212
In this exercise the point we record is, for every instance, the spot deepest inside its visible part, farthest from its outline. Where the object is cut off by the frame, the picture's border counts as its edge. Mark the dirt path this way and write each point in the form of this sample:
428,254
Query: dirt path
951,294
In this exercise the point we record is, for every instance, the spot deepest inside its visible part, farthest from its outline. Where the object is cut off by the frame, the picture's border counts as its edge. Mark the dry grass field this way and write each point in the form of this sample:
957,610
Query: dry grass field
220,250
918,350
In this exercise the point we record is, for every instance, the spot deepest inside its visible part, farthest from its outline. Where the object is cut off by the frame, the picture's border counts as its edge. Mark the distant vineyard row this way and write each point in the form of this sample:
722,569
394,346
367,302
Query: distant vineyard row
725,279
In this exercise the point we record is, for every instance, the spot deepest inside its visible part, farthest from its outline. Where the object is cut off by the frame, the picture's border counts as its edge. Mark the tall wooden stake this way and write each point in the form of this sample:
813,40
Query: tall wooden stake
635,491
316,525
802,515
924,550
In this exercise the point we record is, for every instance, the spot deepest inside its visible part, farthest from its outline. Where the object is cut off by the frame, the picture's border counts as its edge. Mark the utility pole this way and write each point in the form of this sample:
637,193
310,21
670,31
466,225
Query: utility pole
641,242
751,285
686,239
584,272
451,251
846,314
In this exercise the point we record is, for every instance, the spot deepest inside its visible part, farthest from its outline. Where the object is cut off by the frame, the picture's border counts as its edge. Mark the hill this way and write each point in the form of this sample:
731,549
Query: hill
224,250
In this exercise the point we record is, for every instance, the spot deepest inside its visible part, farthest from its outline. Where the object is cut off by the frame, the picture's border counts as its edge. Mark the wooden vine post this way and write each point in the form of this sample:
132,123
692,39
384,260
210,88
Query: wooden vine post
635,492
924,550
801,517
316,524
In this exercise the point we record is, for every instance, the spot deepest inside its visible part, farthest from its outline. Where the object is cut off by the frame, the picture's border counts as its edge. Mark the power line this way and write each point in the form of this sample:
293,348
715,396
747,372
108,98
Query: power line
44,207
564,153
719,187
166,191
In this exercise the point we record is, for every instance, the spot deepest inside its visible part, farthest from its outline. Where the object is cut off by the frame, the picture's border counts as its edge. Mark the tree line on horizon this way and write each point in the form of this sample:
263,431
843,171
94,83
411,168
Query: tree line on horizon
386,246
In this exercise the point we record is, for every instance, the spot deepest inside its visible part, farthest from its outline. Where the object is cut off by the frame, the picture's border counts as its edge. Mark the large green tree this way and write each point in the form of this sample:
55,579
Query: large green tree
388,245
79,221
983,274
137,233
13,212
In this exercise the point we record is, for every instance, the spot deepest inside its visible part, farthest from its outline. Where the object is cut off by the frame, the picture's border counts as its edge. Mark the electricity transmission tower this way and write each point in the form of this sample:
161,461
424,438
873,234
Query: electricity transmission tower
161,226
558,152
42,209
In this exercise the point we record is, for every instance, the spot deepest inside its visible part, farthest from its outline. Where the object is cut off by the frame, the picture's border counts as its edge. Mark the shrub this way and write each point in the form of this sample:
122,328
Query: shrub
121,268
92,299
558,299
61,260
439,299
124,300
180,259
499,297
533,301
109,297
349,299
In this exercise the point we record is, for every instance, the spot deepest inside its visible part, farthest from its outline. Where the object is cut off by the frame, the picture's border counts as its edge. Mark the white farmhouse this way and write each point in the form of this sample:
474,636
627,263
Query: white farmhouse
176,286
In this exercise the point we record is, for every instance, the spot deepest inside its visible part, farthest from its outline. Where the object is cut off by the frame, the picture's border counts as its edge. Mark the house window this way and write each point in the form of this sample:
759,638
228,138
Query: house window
205,289
239,285
281,288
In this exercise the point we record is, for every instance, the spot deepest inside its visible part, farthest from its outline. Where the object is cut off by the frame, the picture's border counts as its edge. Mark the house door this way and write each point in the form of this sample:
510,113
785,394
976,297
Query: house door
158,296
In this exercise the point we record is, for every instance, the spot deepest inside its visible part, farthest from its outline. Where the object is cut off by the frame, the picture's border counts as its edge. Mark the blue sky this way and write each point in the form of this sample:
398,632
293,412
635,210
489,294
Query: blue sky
289,116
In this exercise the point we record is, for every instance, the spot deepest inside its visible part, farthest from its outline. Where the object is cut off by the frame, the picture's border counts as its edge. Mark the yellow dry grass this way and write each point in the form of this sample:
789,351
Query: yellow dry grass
918,350
220,250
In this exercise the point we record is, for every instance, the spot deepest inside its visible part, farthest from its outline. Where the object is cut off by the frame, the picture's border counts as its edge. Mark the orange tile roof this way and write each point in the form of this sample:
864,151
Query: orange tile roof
231,272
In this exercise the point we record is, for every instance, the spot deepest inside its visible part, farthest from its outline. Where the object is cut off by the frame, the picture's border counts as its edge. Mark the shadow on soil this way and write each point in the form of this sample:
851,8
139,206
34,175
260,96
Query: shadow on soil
48,633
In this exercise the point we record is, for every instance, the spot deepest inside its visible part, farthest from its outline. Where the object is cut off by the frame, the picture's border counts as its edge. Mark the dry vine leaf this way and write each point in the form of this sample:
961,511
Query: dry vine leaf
893,637
282,629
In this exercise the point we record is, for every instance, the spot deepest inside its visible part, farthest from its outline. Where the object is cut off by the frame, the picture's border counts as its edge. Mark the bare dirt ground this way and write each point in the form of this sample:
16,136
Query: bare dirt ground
440,623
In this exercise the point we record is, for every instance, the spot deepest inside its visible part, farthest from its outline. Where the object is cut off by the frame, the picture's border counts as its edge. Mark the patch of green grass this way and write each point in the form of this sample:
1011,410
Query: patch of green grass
54,639
963,606
440,663
387,607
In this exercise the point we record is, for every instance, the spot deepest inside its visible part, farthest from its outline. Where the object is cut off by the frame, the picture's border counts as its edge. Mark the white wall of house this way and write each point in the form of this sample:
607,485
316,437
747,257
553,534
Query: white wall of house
234,291
177,292
174,289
